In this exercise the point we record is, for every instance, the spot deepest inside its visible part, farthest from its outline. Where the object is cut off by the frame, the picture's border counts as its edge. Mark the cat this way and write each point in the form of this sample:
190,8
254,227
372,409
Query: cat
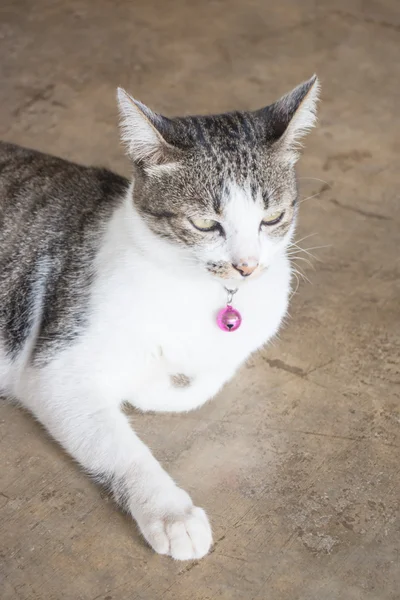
109,288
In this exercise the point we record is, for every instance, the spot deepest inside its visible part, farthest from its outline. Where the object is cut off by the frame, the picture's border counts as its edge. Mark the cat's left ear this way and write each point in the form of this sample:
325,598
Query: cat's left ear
289,119
143,133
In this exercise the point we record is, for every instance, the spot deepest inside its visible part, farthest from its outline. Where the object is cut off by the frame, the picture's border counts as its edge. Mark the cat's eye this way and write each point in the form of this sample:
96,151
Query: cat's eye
273,219
205,224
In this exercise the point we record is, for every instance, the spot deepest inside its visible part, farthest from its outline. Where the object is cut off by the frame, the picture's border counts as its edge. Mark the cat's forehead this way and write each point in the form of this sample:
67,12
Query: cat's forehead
225,142
224,170
227,148
221,171
226,131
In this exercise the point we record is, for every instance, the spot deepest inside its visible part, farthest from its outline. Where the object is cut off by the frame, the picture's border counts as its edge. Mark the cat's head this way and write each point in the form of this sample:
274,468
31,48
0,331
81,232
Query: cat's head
221,188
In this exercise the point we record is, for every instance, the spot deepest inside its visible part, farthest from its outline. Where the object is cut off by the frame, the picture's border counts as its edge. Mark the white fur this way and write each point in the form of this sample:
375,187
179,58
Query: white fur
152,315
243,215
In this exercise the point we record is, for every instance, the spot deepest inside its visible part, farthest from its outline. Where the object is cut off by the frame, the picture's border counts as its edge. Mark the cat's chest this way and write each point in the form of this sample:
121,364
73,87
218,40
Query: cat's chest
149,325
181,319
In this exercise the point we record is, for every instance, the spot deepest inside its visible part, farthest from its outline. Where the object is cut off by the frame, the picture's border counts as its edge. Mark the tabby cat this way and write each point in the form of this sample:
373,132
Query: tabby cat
115,291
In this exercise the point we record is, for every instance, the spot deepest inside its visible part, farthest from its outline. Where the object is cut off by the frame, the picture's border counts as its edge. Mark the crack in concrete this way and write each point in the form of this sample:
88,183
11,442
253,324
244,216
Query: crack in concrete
197,562
365,213
369,20
42,94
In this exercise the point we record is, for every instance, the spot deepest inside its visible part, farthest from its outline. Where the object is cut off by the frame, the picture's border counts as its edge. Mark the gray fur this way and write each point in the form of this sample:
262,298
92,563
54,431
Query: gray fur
52,215
180,380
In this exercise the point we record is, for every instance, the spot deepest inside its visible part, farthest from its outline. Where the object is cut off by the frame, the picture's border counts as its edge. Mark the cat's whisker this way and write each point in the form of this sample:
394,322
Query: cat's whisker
299,254
303,238
318,247
315,179
309,253
308,262
306,251
310,197
301,274
297,286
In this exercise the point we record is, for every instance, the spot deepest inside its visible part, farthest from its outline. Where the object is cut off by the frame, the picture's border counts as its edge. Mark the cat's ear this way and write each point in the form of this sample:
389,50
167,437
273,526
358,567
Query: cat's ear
142,131
289,119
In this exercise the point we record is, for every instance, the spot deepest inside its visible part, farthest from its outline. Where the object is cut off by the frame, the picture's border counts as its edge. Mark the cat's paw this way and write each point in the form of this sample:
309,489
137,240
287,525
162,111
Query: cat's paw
182,532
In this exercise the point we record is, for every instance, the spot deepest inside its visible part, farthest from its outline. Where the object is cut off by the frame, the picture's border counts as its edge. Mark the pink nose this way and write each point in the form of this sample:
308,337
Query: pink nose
247,267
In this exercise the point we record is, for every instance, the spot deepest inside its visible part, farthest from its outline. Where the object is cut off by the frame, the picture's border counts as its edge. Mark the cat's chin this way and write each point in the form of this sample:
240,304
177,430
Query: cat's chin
232,283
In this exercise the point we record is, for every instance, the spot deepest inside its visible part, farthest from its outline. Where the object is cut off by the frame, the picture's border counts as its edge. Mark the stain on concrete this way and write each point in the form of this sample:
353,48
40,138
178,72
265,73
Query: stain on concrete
346,160
276,363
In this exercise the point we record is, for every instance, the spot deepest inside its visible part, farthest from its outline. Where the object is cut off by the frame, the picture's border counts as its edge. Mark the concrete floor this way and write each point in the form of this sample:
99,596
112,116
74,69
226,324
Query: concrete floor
297,460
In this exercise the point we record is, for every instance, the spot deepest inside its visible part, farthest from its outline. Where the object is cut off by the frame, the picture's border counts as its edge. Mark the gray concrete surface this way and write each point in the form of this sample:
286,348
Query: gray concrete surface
297,460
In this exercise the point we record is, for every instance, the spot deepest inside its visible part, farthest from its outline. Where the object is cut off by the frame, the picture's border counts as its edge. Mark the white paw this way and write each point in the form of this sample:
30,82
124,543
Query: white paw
181,531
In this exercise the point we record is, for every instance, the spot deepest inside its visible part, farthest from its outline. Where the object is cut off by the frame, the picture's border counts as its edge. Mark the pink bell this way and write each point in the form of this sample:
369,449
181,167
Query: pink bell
229,319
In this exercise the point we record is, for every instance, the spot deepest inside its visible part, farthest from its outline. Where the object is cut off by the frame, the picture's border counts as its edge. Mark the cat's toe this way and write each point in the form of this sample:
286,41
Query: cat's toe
190,537
157,537
184,537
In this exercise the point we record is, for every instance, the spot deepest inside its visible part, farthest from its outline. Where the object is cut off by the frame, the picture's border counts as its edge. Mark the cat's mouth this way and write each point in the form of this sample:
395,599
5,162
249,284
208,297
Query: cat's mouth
227,273
223,270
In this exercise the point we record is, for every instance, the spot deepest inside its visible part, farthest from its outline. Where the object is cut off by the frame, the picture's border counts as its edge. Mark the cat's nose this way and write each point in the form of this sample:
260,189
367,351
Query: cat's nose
246,267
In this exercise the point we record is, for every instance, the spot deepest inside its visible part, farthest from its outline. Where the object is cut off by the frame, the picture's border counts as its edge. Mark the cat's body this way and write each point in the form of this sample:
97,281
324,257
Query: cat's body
78,280
98,307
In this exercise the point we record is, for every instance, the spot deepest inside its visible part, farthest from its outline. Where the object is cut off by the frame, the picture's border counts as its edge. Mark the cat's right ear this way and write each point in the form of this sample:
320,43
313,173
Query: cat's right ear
142,133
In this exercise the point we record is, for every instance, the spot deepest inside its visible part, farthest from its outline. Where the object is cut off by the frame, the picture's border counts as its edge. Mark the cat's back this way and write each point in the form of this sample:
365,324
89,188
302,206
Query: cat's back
41,183
52,215
48,202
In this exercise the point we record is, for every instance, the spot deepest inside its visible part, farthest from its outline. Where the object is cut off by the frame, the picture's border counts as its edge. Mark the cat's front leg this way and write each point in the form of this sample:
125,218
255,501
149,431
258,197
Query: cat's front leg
165,513
99,437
